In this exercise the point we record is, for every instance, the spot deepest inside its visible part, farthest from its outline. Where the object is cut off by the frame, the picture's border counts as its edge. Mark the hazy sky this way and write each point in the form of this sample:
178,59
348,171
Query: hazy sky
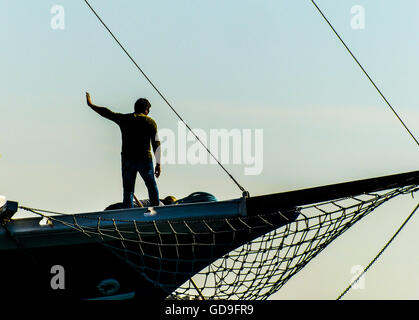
247,65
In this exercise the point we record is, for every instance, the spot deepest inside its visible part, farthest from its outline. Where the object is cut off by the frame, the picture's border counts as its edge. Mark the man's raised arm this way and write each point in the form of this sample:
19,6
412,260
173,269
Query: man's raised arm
104,112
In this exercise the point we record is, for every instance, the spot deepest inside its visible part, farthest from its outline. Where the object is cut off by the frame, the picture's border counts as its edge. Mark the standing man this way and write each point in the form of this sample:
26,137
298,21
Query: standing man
138,131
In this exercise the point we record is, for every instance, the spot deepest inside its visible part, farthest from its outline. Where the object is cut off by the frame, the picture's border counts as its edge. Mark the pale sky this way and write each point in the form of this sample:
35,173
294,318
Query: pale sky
272,65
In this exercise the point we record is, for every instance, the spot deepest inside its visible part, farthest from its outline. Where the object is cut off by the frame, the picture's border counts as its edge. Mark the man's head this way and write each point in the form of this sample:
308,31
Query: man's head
142,106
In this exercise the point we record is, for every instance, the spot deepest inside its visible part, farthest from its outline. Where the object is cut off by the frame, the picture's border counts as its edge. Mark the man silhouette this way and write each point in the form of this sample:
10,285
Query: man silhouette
138,130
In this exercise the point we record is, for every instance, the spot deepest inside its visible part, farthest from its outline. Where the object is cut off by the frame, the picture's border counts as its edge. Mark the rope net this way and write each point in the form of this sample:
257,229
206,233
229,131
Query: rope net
247,258
261,267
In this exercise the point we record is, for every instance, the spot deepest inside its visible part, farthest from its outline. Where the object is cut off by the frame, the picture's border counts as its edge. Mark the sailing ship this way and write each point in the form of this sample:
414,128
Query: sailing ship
243,248
150,253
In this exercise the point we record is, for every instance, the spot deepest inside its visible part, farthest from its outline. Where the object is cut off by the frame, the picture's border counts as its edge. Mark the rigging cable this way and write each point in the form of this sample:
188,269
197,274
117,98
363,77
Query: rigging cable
245,193
401,121
379,254
365,72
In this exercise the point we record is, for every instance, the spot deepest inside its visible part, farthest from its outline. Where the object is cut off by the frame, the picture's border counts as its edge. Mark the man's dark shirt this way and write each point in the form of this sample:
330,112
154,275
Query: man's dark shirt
137,130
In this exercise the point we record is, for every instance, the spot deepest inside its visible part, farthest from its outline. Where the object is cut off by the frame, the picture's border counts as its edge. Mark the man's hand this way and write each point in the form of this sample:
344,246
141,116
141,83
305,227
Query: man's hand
89,101
157,171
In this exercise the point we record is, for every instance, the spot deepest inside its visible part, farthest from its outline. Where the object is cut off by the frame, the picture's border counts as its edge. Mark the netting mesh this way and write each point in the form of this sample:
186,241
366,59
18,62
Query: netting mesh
236,258
261,267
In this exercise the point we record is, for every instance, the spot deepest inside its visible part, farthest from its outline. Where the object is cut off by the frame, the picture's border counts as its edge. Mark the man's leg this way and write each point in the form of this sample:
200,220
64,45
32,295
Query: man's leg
129,174
146,171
